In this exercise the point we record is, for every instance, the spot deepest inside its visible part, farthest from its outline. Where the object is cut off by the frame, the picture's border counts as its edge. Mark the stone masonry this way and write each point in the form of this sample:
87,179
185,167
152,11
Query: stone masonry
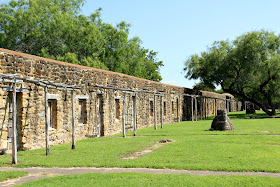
93,104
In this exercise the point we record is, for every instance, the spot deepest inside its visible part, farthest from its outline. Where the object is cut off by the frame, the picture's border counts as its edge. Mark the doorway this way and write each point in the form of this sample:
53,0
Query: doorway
18,120
100,121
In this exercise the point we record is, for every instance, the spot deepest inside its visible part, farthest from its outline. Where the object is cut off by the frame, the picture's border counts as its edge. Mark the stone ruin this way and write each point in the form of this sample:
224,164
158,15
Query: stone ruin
250,110
221,122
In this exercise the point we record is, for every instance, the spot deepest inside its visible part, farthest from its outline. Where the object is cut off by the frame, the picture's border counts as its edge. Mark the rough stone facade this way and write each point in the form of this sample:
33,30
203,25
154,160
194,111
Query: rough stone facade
98,102
222,122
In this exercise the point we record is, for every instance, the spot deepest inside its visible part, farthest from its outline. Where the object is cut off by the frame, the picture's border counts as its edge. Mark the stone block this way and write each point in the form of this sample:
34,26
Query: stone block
221,122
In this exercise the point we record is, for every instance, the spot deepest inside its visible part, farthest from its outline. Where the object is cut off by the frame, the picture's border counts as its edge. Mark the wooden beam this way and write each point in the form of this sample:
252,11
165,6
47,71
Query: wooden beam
47,122
73,120
123,115
10,81
14,127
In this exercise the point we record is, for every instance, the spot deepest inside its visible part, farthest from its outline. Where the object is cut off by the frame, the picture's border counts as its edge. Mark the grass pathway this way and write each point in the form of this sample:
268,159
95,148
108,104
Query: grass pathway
36,173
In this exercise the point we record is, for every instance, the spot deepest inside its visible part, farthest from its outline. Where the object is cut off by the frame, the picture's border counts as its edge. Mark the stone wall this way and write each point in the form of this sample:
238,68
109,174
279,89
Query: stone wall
93,104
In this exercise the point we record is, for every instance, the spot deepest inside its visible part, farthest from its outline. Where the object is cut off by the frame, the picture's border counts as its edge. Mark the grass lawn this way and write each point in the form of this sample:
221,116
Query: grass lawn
5,175
140,179
254,145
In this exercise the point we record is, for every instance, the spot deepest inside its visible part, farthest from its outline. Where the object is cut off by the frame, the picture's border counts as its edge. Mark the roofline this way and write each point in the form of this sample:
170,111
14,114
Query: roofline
81,67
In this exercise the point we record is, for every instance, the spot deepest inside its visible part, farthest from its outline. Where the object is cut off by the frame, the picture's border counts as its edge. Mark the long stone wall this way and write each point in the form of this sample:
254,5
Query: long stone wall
99,107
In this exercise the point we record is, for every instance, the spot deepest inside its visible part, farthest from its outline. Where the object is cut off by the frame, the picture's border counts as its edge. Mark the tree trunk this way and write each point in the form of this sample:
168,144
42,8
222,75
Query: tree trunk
273,111
246,98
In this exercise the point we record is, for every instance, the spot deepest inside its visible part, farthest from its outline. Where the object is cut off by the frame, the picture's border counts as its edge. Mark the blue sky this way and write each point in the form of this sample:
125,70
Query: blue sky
177,29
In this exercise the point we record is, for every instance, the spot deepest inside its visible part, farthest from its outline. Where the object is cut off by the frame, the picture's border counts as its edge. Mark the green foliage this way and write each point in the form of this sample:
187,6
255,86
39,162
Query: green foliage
56,29
220,91
141,179
6,175
252,146
247,67
204,87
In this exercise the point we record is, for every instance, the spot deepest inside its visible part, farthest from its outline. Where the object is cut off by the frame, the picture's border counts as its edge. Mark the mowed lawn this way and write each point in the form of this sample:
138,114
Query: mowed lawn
141,179
254,145
6,175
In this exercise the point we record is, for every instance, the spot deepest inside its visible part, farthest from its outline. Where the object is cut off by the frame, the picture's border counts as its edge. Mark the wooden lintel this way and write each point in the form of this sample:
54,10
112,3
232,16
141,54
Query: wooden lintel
82,97
53,96
10,89
11,81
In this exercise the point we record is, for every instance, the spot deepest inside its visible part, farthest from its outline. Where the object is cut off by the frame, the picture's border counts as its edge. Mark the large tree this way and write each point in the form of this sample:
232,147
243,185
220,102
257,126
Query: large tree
204,87
248,67
56,29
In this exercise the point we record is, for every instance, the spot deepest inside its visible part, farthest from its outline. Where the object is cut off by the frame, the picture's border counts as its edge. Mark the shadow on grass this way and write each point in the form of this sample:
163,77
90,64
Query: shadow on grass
242,115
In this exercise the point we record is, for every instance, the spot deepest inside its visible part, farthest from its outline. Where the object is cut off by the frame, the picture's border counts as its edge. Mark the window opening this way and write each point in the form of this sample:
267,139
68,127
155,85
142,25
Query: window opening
82,111
10,118
52,113
164,108
117,103
151,108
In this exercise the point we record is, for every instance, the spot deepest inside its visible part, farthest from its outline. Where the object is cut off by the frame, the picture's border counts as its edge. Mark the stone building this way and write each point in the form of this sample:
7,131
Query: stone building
104,103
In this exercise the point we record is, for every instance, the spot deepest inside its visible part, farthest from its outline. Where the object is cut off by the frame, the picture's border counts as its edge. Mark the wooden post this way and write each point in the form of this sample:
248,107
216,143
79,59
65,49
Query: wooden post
161,111
204,103
195,104
47,122
216,107
98,107
201,107
227,106
192,107
14,127
73,120
155,113
134,114
123,115
205,116
208,106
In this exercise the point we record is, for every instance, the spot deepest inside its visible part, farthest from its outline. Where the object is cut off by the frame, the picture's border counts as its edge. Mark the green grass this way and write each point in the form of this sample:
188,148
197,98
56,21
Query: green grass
6,175
140,179
254,145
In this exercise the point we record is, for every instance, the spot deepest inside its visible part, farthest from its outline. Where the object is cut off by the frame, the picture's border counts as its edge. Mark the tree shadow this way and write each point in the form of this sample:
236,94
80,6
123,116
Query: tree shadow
257,115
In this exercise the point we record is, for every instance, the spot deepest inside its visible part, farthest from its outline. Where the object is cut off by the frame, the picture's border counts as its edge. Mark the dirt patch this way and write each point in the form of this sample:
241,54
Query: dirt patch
166,141
154,147
264,132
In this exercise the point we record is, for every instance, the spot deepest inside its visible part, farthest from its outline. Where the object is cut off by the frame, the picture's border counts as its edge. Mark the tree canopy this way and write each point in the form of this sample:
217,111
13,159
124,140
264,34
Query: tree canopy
204,87
248,67
56,29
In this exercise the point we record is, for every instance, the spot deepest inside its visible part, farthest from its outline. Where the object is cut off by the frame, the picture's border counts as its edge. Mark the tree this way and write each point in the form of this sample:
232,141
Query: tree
247,67
56,29
204,87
